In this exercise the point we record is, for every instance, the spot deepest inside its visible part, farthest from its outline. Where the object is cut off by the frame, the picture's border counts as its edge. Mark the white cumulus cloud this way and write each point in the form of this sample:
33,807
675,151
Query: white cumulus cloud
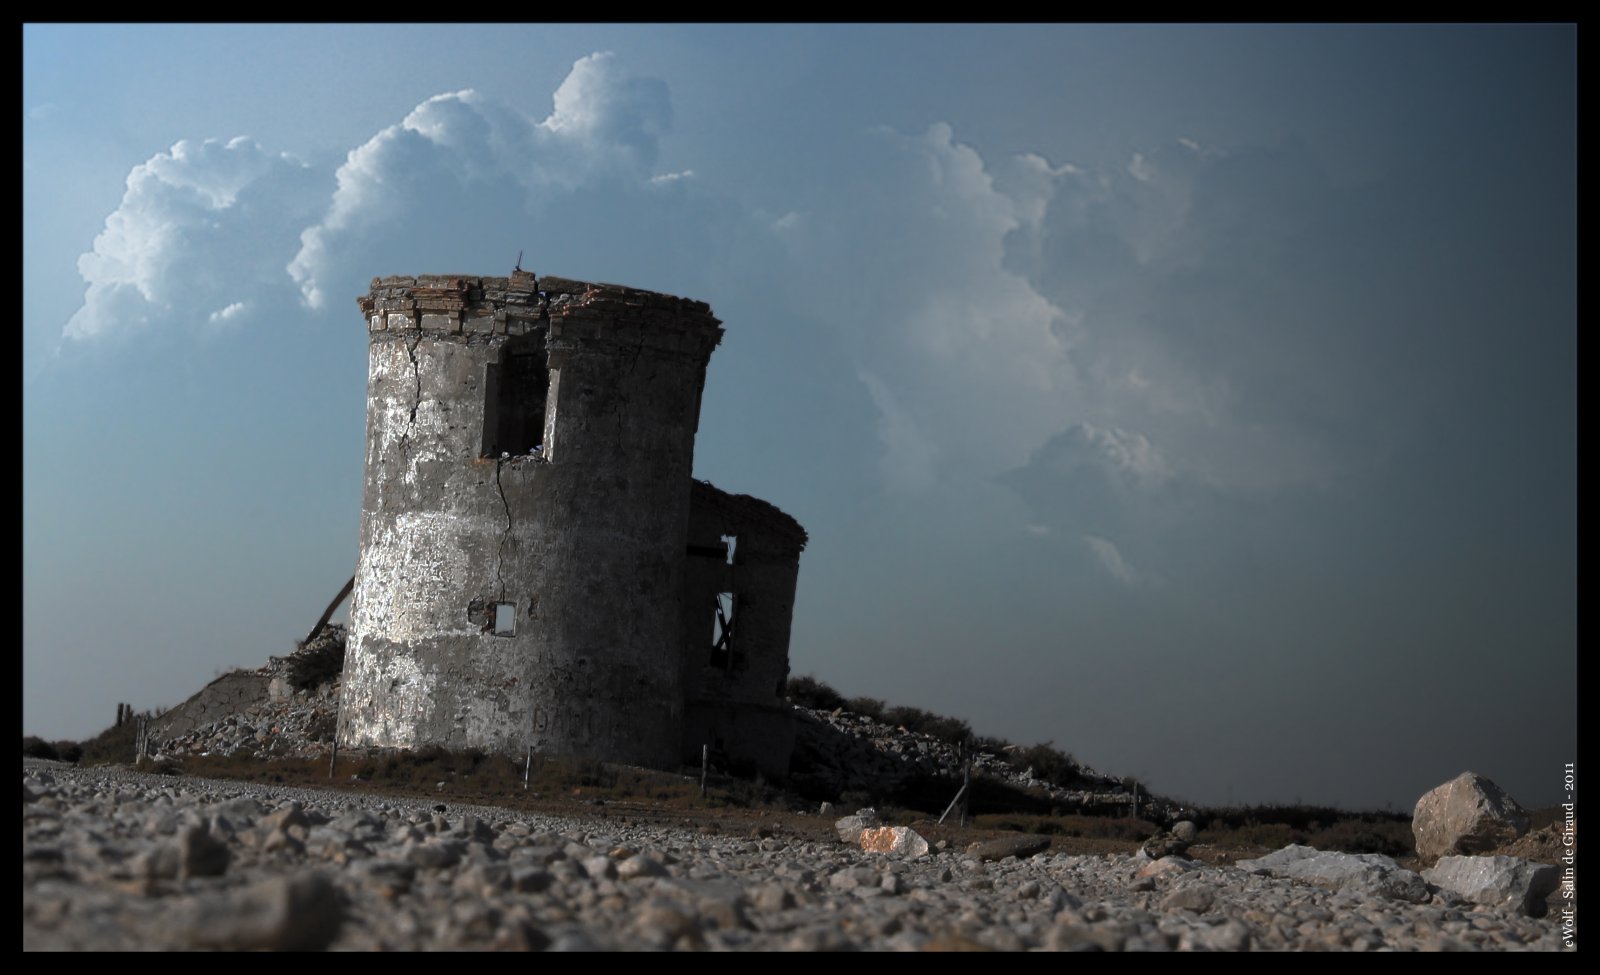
1127,452
604,110
911,242
1186,274
211,232
197,224
224,314
907,462
462,156
1093,479
1112,561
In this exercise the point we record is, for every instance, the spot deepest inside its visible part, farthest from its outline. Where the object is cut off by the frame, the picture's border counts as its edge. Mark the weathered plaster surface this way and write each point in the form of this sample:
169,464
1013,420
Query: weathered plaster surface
586,537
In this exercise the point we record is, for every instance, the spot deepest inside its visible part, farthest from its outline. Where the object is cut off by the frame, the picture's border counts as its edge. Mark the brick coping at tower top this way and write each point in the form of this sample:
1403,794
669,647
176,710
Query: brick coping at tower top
476,305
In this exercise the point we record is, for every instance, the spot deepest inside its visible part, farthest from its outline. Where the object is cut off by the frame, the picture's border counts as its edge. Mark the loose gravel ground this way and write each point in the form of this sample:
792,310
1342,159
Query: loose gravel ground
114,859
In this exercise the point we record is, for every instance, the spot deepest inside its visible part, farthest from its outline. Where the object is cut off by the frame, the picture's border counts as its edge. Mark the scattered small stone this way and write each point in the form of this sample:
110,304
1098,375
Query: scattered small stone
125,861
302,913
849,827
1174,842
638,866
1164,867
200,854
1190,897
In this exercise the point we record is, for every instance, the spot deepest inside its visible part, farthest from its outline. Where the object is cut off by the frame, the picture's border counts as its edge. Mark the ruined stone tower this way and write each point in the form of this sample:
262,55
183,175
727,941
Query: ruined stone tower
526,573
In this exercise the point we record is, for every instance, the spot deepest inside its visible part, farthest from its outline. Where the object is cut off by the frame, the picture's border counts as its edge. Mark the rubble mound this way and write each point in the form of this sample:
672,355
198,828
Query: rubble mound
314,663
838,752
1543,844
287,709
290,709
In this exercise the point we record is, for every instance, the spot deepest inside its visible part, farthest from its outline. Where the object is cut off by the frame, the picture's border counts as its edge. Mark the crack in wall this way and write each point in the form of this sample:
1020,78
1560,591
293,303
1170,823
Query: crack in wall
622,397
638,350
416,401
616,411
500,552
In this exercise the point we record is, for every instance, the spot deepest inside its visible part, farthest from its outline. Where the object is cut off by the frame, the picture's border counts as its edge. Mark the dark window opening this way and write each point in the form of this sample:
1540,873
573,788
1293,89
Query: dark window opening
722,645
514,393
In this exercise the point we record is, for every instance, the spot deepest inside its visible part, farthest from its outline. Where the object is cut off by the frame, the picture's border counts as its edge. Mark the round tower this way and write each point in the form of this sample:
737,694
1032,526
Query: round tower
530,444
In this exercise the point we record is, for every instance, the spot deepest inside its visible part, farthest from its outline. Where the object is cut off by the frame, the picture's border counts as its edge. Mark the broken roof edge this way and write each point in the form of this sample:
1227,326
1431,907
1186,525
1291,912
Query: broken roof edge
750,511
525,285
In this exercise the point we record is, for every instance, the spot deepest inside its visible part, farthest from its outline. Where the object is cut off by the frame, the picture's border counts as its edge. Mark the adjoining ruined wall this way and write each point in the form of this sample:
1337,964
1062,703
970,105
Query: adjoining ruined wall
580,536
735,665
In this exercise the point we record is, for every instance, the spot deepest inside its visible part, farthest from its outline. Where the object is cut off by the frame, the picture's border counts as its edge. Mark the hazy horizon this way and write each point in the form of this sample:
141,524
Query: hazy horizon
1202,399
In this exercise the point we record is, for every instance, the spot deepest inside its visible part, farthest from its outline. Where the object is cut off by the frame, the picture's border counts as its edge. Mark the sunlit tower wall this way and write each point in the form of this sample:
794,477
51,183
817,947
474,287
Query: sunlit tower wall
530,444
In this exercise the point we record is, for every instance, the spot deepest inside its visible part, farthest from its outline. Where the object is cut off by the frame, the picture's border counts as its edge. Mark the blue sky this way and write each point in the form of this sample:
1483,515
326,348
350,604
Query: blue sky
1199,398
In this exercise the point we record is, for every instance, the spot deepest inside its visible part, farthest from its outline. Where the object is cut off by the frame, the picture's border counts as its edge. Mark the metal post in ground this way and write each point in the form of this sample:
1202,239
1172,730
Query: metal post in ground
959,793
705,761
966,780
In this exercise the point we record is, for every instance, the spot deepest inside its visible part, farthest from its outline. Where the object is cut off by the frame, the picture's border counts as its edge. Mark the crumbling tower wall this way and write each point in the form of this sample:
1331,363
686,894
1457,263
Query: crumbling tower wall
530,445
738,603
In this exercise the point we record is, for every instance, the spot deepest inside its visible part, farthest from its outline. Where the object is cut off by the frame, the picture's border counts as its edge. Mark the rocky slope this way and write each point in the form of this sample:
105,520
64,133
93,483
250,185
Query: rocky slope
289,708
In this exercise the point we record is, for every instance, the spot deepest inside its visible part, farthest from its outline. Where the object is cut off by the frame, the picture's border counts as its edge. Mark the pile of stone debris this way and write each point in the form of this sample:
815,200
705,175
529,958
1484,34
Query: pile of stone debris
287,709
272,729
290,707
839,752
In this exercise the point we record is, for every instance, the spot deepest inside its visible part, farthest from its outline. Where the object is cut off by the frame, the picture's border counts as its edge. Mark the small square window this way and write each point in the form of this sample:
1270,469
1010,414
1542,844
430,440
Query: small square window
505,619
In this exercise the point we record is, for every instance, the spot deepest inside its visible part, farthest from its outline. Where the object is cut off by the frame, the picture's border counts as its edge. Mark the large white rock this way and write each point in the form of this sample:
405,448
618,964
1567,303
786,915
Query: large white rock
1469,814
1509,882
894,839
1364,873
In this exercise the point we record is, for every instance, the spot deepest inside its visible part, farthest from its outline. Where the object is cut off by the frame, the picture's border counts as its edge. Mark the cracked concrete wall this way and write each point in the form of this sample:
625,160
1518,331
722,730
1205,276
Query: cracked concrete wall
584,537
